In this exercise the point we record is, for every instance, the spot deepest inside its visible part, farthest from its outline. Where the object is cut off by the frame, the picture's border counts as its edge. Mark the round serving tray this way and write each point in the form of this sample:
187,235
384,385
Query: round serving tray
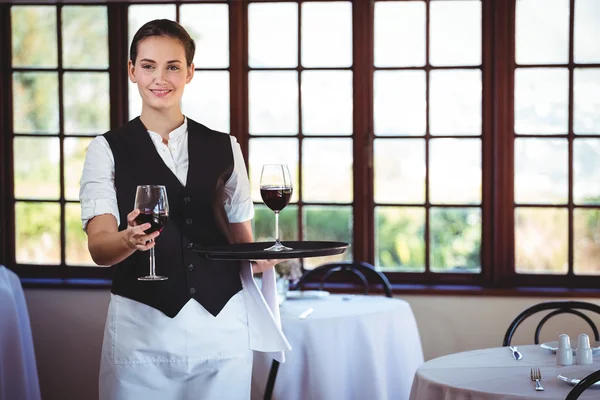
256,250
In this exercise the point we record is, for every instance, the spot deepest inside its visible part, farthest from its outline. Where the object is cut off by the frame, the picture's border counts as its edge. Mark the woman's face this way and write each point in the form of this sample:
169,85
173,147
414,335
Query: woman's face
160,72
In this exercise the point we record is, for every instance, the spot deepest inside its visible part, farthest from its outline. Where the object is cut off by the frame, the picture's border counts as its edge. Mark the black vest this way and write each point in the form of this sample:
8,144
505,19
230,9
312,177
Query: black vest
196,215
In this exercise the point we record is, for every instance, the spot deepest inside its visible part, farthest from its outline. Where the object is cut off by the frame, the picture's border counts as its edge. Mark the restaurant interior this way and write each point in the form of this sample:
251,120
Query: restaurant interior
442,168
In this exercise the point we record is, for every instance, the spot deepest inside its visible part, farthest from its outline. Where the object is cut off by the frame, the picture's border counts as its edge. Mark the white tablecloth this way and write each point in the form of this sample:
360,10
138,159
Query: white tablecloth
350,347
493,374
18,371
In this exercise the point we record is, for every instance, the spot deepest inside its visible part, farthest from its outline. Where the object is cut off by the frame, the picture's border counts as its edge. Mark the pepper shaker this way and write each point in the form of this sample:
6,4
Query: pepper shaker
583,356
564,354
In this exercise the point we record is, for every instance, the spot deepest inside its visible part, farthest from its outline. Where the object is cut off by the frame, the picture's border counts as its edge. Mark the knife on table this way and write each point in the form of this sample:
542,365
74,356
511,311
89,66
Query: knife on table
516,353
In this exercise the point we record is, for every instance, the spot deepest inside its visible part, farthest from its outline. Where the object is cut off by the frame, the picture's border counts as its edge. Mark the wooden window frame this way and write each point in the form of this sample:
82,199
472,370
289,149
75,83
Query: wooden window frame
498,59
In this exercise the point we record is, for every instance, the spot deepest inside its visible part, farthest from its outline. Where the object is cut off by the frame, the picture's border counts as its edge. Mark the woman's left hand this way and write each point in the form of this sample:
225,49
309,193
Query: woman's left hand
259,266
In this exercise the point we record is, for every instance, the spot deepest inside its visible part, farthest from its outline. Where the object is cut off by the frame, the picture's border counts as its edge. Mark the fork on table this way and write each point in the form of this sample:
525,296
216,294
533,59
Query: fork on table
536,376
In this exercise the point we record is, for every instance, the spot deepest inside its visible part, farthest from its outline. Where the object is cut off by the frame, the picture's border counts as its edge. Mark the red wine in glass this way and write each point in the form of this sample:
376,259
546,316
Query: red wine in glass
157,221
276,190
276,197
153,204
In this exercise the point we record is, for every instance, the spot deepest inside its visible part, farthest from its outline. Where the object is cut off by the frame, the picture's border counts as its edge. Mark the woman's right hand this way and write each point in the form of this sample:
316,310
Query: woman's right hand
135,236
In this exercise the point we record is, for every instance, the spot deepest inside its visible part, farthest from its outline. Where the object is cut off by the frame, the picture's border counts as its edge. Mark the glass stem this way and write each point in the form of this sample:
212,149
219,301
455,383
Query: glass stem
277,226
152,264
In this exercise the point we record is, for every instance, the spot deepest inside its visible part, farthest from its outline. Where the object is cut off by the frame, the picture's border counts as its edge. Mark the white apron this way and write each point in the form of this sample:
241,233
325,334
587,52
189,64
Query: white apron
147,355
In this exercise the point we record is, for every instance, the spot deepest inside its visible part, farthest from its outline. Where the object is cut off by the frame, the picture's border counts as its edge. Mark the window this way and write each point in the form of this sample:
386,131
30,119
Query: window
60,100
557,138
428,136
449,141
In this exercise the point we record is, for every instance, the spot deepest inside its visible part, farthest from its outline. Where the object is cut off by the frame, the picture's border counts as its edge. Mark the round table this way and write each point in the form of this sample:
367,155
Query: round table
349,347
495,374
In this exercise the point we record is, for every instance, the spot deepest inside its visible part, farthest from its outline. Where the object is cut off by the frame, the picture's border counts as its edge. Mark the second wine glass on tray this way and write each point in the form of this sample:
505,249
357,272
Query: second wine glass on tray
153,204
276,191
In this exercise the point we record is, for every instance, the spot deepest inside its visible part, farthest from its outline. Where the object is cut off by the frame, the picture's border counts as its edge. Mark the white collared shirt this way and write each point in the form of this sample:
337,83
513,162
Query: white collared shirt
98,194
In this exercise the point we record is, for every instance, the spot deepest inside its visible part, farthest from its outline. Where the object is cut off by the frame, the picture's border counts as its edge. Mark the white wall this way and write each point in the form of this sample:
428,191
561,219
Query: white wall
68,325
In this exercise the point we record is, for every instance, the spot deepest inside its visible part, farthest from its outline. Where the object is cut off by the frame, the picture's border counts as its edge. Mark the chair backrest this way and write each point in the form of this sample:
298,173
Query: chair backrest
583,385
559,307
364,271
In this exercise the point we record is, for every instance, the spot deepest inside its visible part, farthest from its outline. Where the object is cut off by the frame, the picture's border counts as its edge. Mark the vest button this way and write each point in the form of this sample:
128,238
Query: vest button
190,245
188,221
191,267
192,290
187,199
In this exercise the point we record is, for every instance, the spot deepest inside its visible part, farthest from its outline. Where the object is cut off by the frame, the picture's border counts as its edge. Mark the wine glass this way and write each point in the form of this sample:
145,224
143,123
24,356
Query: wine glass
153,204
276,190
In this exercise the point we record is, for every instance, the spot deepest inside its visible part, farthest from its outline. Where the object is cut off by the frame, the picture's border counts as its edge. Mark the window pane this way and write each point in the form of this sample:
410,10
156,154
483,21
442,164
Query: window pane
326,34
455,171
455,102
541,100
37,228
206,99
266,49
399,170
399,102
272,151
328,223
208,25
36,168
273,102
542,32
541,171
35,99
86,103
455,28
77,252
587,31
264,223
74,156
400,34
586,102
586,171
586,241
34,36
541,244
455,240
400,238
138,15
84,37
327,170
327,102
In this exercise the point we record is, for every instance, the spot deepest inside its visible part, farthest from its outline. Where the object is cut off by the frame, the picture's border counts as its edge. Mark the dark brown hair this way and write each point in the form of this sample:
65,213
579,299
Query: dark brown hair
163,27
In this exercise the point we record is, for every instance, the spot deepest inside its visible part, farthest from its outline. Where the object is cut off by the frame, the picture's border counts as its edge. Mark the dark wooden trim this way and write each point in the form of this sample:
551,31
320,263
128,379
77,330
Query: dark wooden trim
238,67
117,61
427,232
362,79
61,135
571,136
6,232
487,140
503,145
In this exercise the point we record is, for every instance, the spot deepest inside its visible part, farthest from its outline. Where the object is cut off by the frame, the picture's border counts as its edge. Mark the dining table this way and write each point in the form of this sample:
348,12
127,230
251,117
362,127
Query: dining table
18,370
495,374
343,347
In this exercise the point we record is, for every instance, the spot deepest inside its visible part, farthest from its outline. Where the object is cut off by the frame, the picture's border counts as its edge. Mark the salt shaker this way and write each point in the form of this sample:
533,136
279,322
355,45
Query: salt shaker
583,356
564,354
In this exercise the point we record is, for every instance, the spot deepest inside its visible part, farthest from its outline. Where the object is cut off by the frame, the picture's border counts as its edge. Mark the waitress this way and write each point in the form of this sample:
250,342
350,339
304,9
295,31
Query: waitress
191,336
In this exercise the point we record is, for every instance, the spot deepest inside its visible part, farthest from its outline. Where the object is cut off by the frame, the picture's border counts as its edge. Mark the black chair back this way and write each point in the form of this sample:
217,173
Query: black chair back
360,270
559,307
583,385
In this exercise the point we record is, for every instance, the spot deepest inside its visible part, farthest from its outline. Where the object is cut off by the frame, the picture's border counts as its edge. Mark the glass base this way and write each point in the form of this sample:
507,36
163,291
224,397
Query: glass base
152,278
278,247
